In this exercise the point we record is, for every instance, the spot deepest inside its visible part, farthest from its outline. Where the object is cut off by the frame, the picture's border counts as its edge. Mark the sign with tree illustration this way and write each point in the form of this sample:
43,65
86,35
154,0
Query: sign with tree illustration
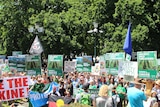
158,63
33,64
55,65
87,63
79,64
147,64
107,62
114,59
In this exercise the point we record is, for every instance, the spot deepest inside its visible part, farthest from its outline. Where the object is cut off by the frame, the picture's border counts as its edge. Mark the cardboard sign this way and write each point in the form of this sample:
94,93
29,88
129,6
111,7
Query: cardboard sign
14,88
69,66
128,69
96,69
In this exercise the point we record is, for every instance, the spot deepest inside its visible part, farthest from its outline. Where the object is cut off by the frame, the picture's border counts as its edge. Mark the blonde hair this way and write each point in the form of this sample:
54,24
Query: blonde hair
103,92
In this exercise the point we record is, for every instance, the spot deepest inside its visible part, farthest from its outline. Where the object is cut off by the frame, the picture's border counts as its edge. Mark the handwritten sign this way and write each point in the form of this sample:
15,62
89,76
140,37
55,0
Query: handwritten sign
14,88
129,69
69,66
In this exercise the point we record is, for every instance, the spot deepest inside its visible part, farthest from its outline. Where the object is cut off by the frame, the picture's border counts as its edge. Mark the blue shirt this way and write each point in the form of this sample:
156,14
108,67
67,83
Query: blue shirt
135,97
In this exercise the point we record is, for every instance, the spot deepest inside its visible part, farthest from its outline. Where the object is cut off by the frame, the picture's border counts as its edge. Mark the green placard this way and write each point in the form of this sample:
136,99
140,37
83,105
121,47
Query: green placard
79,65
158,63
114,59
55,65
12,60
147,64
21,63
107,62
87,63
33,64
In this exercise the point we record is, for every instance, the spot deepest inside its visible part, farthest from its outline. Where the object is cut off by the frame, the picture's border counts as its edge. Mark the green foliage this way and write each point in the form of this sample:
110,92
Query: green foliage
66,23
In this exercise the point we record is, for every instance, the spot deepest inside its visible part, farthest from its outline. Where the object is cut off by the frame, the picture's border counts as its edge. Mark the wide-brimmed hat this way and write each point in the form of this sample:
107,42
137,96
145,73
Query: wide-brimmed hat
153,92
157,82
138,81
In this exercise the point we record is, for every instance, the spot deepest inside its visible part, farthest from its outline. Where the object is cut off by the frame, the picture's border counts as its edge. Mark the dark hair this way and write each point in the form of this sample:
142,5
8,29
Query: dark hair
121,83
1,80
49,79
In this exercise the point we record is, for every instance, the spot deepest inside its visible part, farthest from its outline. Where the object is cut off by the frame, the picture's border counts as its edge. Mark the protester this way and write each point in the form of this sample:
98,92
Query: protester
62,90
115,97
69,87
153,99
121,92
156,88
103,100
135,95
84,97
38,87
92,84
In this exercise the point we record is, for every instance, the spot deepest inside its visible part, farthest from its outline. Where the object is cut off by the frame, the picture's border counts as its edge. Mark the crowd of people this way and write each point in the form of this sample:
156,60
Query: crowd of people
113,91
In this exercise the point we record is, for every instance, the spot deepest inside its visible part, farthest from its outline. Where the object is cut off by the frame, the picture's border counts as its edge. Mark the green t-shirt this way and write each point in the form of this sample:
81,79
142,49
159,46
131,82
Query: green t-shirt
92,87
121,90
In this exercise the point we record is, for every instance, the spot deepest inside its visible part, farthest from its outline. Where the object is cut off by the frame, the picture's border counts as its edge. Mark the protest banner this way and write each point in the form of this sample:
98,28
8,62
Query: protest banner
103,65
40,99
96,69
12,88
129,70
79,65
33,64
16,53
69,66
12,60
21,63
87,63
114,59
55,65
147,64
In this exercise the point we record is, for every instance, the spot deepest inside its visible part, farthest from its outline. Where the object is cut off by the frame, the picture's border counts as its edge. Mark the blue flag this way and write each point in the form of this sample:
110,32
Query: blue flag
127,47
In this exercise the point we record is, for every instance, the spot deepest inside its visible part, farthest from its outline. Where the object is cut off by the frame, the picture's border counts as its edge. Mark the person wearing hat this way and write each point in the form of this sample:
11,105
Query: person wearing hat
92,85
152,100
156,88
79,97
135,95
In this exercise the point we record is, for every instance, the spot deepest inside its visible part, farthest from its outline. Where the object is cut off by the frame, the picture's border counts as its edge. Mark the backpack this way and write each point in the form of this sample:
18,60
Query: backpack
85,99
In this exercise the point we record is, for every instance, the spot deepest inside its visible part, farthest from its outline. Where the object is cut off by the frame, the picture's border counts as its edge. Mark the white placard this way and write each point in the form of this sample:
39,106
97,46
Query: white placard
69,66
129,69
